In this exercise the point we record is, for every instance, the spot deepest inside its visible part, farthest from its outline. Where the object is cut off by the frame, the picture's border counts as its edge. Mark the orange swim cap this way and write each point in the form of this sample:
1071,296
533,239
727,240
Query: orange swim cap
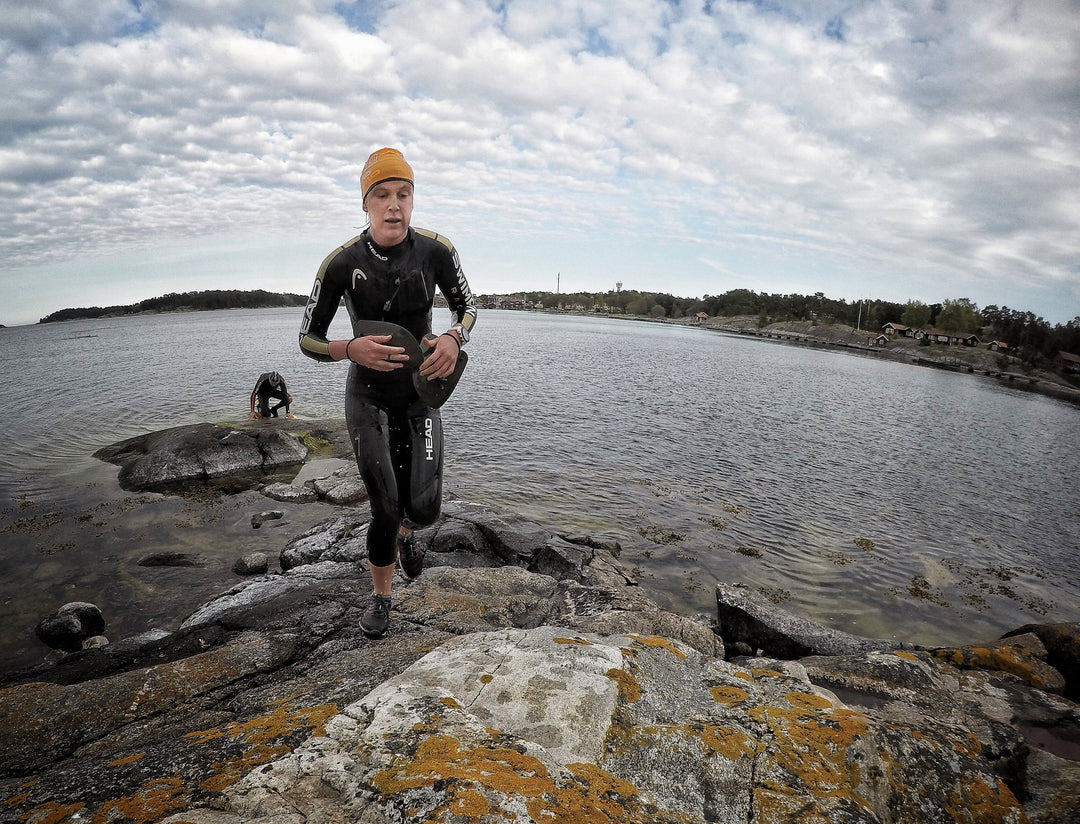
383,165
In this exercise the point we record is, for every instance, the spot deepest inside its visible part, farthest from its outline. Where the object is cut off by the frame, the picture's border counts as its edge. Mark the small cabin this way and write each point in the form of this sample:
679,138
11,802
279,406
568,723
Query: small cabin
1067,362
897,329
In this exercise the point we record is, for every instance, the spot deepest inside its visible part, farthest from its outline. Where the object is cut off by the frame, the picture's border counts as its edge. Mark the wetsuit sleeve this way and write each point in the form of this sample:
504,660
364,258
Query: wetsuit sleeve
322,305
452,283
255,392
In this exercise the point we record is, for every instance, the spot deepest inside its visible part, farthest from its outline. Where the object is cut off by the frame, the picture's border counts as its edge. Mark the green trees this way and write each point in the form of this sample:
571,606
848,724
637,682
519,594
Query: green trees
916,314
959,316
186,301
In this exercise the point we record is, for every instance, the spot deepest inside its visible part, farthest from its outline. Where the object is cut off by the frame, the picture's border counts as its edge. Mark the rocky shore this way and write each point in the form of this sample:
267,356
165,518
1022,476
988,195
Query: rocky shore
526,677
975,360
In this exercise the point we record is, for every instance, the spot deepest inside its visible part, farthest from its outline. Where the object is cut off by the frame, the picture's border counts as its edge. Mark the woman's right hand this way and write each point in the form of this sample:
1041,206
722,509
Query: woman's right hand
371,351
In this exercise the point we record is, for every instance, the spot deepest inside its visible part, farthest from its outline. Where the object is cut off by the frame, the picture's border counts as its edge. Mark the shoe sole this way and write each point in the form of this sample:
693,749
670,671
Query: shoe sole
370,633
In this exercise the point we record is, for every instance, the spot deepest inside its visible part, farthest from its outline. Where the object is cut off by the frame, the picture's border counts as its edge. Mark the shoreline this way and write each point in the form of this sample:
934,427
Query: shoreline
842,338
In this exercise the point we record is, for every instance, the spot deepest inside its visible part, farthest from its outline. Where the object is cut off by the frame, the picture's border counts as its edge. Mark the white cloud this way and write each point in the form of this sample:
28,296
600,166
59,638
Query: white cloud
906,149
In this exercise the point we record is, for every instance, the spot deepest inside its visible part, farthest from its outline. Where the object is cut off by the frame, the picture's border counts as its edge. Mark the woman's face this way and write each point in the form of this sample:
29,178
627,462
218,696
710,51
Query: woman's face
389,205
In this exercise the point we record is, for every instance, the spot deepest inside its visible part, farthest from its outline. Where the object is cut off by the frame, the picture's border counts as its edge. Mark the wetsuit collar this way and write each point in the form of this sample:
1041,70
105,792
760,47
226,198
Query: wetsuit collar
384,252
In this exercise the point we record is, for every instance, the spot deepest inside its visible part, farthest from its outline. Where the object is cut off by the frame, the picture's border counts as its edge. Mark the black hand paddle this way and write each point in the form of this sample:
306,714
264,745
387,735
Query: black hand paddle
433,393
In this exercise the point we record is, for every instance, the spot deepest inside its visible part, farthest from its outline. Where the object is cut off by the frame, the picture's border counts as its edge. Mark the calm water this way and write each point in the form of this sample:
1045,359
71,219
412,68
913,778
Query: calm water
881,498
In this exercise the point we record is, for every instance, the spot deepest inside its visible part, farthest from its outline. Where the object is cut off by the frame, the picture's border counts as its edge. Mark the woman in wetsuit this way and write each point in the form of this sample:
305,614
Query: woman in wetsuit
389,273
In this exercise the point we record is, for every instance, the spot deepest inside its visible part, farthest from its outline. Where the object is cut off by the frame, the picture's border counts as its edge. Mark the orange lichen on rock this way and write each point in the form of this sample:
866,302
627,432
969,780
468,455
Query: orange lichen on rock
577,640
629,690
475,780
51,813
761,672
731,743
1013,660
266,736
969,746
227,773
975,801
155,800
779,804
281,722
812,743
657,642
808,701
723,694
131,759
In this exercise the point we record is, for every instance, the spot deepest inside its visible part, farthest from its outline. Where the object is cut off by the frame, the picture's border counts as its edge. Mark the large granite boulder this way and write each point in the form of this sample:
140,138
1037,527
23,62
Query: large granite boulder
544,725
166,460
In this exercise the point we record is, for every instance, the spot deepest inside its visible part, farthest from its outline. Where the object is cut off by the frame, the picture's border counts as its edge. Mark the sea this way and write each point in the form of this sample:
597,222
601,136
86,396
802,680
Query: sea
877,497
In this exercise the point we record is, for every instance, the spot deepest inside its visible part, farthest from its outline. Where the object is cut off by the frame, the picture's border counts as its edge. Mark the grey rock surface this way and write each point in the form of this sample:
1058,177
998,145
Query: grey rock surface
526,677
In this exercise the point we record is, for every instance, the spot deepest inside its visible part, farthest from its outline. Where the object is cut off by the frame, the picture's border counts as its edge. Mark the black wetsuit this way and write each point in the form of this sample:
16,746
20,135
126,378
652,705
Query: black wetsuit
396,437
265,390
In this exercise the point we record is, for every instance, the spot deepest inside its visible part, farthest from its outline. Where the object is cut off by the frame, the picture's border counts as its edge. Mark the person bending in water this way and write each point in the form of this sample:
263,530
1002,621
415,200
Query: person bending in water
389,273
270,385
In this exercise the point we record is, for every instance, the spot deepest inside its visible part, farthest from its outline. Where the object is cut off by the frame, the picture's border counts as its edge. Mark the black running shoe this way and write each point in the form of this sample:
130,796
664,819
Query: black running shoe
410,555
376,617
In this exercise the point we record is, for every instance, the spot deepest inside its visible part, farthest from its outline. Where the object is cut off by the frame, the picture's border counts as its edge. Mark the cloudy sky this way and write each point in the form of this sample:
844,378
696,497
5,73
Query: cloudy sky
902,149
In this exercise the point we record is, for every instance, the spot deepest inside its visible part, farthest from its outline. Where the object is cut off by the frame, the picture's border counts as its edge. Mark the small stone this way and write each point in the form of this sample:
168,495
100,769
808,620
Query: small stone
290,493
254,563
271,515
68,627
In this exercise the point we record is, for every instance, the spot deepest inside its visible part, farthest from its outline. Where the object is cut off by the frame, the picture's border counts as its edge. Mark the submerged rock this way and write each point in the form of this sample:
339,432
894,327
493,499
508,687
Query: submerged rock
70,626
747,619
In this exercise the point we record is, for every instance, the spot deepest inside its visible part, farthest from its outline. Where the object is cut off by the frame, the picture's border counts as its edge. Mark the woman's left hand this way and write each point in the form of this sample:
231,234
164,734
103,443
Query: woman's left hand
441,362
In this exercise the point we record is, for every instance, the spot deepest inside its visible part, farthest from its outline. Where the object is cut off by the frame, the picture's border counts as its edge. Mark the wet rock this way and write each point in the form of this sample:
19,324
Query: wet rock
70,626
745,617
342,539
173,559
254,563
342,487
1062,643
290,493
260,518
164,460
41,723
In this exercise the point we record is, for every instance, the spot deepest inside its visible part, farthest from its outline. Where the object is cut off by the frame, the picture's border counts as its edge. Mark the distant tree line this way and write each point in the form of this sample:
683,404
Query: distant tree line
1033,338
186,302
